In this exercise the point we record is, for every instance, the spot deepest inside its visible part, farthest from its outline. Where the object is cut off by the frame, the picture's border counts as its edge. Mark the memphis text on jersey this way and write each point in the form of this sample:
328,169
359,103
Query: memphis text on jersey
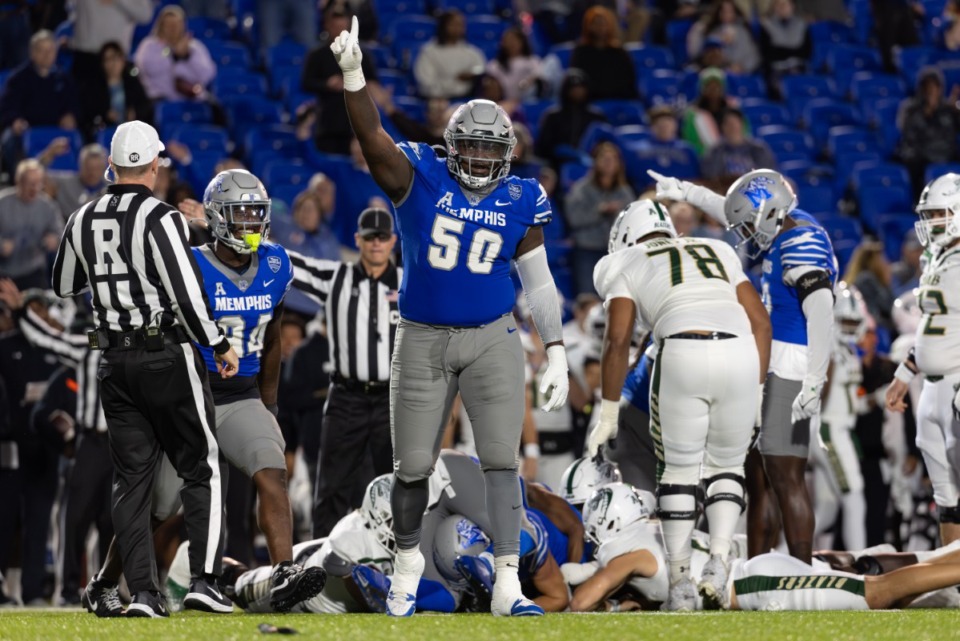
224,303
481,216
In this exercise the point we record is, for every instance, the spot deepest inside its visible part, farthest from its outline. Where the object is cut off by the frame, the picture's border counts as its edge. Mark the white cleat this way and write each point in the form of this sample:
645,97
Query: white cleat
713,584
402,598
682,598
513,605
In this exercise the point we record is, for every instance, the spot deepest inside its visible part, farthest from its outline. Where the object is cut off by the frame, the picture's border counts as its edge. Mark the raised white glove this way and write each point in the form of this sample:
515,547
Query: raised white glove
556,380
606,428
956,405
346,51
807,403
670,188
577,573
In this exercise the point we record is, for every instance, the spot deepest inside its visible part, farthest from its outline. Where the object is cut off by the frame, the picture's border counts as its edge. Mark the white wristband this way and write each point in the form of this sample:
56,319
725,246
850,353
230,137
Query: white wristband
609,411
353,80
531,450
904,373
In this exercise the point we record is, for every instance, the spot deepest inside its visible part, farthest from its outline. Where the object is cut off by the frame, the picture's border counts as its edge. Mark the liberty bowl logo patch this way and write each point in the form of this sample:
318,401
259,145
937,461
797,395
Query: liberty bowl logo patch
274,263
515,191
758,190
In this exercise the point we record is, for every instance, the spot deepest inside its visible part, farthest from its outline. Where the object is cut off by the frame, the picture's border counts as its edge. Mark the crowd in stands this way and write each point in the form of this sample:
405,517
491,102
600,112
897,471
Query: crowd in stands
855,101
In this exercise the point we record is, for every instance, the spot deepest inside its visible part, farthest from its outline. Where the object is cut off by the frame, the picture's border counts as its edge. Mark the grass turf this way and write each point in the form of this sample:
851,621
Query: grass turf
915,625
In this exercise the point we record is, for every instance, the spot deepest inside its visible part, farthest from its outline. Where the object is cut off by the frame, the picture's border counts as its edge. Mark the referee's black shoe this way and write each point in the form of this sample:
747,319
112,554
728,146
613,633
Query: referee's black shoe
291,584
204,595
148,604
102,598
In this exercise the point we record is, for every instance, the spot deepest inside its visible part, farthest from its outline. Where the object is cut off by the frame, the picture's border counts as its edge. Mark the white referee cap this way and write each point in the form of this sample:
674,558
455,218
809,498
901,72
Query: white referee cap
135,143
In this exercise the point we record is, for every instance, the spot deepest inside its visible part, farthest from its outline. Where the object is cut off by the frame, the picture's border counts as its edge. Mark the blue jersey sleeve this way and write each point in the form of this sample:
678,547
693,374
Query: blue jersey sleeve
424,160
806,247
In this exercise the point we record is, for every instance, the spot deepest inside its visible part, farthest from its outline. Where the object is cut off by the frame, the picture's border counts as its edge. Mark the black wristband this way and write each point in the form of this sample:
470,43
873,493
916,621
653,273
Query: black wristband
809,283
222,347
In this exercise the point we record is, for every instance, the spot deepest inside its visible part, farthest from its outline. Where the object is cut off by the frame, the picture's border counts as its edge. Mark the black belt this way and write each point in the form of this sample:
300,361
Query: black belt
934,379
362,387
150,338
712,336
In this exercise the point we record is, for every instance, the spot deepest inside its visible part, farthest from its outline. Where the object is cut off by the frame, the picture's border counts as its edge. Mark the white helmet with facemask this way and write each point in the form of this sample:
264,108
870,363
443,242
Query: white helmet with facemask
849,313
940,196
377,512
237,209
480,142
640,218
612,508
755,207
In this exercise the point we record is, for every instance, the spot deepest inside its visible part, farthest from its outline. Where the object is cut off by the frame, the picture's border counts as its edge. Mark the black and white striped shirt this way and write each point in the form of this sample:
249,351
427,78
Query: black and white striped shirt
131,250
361,313
73,351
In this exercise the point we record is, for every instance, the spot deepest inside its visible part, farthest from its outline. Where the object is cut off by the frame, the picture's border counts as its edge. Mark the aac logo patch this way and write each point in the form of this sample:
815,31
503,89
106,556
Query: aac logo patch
515,191
273,262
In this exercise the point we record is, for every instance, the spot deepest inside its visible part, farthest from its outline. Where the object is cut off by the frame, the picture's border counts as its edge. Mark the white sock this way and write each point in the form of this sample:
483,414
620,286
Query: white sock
406,560
723,516
854,520
507,577
677,534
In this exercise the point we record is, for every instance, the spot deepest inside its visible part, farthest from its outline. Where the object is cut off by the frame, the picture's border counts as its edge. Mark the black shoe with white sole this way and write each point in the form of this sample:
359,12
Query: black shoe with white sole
291,584
148,604
102,598
204,595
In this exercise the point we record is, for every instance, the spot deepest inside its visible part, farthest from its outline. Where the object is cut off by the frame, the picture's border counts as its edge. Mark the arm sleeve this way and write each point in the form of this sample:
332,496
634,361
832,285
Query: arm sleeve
708,201
313,276
817,303
68,348
181,279
69,278
541,293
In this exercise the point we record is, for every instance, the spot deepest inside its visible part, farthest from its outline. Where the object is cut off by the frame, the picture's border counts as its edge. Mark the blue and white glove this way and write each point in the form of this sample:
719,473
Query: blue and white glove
556,380
346,51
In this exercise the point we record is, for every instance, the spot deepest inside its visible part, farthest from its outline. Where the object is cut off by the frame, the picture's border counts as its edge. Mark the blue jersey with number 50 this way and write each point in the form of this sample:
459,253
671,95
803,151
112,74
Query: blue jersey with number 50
456,254
243,301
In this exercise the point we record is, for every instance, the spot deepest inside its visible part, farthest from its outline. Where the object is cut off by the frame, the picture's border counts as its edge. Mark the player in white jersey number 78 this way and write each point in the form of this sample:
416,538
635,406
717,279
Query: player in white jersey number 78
713,334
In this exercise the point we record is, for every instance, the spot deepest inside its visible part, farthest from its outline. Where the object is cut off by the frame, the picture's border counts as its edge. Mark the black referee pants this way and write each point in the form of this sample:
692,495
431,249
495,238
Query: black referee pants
153,402
87,503
356,430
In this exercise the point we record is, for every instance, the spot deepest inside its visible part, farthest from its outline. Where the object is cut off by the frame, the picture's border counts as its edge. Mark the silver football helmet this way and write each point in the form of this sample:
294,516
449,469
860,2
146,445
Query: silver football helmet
376,511
938,208
456,536
585,475
639,218
480,142
237,209
849,312
755,207
610,509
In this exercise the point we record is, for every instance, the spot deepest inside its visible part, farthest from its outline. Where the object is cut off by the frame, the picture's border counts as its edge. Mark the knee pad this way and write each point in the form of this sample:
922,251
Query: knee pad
678,502
497,456
948,514
725,486
414,466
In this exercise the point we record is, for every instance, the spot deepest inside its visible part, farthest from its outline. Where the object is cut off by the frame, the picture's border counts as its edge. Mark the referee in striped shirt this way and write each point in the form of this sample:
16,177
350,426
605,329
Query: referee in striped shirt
131,251
360,304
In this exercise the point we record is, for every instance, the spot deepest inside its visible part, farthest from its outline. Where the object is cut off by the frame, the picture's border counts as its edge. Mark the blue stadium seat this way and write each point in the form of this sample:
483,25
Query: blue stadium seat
785,139
746,86
821,114
249,112
294,99
846,138
910,60
677,39
871,86
407,34
762,112
168,115
621,112
398,81
203,138
258,159
892,229
845,60
227,53
534,110
283,78
662,86
596,133
631,134
680,161
382,56
563,52
845,164
209,29
842,228
332,165
485,31
285,193
571,172
279,138
467,7
879,175
286,172
105,136
647,58
876,201
284,54
817,198
800,89
413,107
795,170
862,14
234,81
829,31
937,169
36,139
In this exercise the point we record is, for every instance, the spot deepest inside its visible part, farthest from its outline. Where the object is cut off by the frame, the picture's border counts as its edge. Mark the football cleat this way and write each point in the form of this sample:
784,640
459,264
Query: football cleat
402,598
713,584
148,604
374,587
102,598
292,584
514,607
682,598
206,597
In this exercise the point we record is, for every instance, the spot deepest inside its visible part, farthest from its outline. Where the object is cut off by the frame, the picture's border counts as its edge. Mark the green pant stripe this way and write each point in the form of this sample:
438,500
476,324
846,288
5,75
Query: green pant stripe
655,429
834,459
759,583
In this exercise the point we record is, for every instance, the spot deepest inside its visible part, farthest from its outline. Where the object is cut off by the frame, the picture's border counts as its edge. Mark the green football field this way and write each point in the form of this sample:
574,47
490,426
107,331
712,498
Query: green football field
914,625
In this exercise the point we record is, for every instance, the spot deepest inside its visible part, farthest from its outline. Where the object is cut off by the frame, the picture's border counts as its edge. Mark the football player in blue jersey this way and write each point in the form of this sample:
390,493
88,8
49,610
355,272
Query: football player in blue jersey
799,273
463,220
